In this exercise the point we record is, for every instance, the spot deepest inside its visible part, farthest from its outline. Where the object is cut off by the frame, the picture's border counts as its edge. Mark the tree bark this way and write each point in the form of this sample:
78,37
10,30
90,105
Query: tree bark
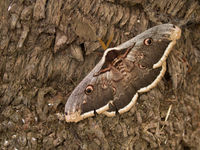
48,46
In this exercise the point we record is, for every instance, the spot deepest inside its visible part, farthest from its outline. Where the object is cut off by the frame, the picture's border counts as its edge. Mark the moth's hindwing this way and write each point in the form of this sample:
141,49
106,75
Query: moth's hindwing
133,67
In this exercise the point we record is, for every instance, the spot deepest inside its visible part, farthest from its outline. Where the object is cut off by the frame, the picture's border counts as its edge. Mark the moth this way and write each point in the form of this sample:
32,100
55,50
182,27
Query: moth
124,72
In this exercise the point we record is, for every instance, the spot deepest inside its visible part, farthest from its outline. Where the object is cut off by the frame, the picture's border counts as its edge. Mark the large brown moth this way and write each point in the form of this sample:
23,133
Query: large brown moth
133,67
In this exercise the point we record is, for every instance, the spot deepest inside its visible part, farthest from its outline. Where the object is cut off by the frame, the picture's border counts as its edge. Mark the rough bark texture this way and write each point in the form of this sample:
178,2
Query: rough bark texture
48,46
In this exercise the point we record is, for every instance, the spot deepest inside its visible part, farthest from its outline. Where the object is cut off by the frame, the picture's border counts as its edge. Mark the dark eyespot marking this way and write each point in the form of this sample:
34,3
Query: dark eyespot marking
89,89
148,41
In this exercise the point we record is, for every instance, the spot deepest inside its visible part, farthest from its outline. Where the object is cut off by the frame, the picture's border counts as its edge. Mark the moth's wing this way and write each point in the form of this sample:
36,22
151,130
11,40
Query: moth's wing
143,75
81,104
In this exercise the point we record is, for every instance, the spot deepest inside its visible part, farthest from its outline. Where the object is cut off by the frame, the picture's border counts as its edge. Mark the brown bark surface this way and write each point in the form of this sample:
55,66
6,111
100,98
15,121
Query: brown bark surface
48,46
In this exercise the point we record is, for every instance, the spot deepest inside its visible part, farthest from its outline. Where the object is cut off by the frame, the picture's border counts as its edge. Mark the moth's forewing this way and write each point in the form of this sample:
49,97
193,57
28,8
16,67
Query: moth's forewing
81,105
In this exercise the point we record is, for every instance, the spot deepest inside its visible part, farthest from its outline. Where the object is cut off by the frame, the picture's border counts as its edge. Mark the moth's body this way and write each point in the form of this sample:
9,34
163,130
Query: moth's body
124,71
